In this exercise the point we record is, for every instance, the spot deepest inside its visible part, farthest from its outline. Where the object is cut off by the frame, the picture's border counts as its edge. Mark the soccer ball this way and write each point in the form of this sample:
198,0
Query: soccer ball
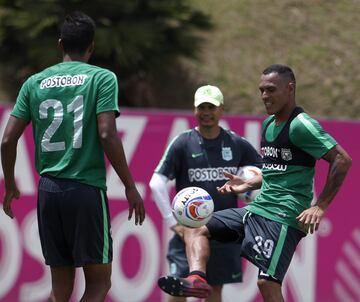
192,207
246,173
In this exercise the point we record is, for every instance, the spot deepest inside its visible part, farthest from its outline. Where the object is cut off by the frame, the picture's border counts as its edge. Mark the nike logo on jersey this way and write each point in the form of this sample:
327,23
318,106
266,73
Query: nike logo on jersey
195,155
235,276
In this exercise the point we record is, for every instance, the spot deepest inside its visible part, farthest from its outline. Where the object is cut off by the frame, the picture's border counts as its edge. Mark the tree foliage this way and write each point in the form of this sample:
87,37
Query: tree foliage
137,39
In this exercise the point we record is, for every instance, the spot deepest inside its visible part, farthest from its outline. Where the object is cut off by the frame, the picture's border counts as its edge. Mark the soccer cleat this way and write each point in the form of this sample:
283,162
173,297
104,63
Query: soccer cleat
192,286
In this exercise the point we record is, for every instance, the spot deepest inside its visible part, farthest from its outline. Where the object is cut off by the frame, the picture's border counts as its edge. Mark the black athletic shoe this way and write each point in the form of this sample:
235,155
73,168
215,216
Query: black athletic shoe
192,286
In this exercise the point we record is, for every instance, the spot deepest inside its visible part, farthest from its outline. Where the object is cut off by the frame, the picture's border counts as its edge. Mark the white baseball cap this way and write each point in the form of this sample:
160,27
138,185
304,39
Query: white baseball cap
208,94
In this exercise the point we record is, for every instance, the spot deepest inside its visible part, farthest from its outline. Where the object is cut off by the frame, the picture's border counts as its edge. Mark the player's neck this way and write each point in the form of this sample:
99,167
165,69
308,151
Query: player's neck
74,57
284,114
209,132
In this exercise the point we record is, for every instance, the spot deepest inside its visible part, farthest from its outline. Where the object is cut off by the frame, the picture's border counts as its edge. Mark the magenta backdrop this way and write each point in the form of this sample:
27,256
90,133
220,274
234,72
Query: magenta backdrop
326,266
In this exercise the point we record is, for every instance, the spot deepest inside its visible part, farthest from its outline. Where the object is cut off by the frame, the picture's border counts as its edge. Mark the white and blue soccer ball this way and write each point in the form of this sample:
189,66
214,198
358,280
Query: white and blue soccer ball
192,207
246,173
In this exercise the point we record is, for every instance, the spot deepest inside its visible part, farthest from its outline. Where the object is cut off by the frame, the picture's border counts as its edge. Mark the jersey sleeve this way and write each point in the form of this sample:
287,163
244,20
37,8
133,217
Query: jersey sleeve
22,105
171,159
107,96
307,134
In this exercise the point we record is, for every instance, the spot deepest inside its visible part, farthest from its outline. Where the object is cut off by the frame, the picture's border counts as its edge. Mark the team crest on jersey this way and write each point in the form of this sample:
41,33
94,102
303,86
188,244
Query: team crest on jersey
226,153
286,154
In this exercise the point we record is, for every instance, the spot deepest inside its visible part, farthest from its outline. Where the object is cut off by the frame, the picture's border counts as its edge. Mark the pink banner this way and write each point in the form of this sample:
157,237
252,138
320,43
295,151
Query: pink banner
326,266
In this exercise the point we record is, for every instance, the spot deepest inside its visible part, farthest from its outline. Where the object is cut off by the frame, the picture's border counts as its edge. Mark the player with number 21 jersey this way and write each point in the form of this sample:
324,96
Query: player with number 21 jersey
61,101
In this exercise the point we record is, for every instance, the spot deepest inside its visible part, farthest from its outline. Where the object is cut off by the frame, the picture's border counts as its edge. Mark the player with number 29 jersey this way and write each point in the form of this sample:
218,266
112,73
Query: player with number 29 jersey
61,101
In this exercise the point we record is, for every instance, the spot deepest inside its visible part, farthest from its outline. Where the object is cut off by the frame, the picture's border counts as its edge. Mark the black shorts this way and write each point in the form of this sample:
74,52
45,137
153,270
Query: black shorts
223,266
268,244
74,223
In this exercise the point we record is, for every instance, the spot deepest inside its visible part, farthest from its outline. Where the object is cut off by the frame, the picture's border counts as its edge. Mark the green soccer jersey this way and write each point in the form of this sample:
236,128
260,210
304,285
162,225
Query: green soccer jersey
62,102
289,152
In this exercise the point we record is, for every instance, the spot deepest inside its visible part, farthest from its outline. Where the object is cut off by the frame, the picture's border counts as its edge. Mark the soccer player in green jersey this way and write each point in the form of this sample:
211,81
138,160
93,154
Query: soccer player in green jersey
270,227
72,107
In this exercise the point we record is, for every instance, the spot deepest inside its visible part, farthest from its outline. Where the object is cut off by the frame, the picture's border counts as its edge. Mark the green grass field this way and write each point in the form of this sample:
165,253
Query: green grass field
320,40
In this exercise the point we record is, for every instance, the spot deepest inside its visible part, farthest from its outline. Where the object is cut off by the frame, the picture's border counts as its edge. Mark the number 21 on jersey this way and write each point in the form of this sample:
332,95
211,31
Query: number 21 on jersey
77,108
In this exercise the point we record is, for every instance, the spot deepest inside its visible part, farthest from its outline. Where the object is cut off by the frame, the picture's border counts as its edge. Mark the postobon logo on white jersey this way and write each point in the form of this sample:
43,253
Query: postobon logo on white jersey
63,81
210,174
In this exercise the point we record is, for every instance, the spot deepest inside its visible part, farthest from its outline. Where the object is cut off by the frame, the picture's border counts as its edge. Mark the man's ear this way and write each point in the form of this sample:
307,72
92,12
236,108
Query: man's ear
292,87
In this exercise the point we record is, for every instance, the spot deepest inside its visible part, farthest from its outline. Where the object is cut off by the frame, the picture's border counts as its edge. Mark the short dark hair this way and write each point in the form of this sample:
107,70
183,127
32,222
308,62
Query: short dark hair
282,70
77,32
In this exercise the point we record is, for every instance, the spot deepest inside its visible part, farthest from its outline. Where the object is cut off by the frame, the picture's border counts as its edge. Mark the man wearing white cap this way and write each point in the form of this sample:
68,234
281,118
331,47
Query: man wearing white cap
198,157
209,94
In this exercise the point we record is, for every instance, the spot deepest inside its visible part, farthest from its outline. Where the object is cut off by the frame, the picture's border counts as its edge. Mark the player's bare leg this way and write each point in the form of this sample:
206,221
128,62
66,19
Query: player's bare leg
270,290
97,282
197,248
197,252
62,280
